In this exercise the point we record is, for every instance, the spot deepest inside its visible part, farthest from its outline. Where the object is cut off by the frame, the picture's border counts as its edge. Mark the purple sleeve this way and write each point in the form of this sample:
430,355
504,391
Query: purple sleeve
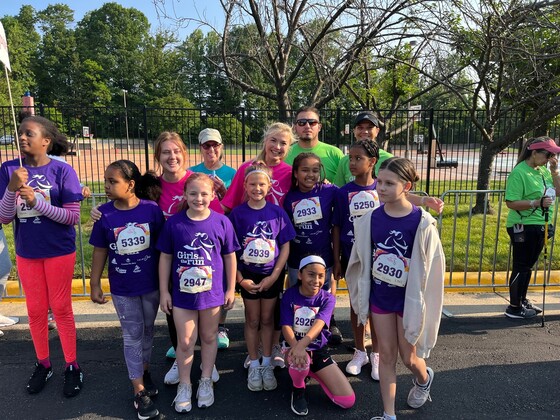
164,243
97,237
8,207
69,214
327,308
230,244
287,231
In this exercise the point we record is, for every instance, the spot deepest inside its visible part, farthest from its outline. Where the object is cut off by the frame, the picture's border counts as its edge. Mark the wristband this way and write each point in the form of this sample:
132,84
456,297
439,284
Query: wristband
532,204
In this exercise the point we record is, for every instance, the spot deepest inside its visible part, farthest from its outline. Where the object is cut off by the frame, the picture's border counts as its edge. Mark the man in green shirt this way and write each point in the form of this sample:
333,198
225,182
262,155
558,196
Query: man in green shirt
366,127
307,128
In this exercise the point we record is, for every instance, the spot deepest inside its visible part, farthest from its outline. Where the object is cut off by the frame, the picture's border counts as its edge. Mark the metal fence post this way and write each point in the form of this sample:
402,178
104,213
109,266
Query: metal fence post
146,149
243,134
429,169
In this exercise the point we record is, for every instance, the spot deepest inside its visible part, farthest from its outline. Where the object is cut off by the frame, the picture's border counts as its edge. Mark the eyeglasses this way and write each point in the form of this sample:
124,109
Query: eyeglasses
207,146
302,122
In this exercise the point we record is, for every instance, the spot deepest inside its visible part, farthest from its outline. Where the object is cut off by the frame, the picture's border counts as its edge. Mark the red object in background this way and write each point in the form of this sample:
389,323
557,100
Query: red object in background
28,103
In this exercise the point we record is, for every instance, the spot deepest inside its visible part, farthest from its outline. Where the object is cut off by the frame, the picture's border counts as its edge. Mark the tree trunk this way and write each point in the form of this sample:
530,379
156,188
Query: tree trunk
485,165
283,102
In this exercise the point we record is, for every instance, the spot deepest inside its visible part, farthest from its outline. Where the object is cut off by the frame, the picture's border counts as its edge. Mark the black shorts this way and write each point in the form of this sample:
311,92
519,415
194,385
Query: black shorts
320,359
271,293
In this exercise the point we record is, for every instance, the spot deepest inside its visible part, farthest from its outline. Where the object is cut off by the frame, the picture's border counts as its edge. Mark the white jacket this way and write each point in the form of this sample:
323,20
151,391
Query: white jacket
424,290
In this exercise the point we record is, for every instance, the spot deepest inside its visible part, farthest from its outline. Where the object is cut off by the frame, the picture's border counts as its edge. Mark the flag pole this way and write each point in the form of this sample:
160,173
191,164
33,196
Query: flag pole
13,115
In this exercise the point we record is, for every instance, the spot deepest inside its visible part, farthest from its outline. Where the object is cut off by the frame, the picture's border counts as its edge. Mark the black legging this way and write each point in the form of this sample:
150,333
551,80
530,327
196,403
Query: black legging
525,255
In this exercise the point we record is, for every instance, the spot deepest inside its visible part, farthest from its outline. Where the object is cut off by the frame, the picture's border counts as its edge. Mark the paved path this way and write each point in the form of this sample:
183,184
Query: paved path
487,366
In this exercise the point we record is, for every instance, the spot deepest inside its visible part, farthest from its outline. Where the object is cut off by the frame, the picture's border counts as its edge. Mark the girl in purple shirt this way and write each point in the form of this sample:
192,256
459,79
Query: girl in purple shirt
264,232
126,234
306,309
43,198
198,253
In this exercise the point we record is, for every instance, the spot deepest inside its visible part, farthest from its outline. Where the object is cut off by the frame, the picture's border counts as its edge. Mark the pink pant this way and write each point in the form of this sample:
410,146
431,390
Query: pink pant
47,282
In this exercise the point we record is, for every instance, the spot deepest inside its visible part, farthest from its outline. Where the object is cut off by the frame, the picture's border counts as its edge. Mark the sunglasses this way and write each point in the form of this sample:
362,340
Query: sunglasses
302,122
207,146
547,153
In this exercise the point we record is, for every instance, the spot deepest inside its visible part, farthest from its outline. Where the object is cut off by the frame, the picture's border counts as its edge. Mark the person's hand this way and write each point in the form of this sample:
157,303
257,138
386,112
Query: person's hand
165,302
86,192
219,187
249,286
266,283
229,299
553,164
28,195
95,214
435,204
18,179
337,270
97,296
546,202
298,356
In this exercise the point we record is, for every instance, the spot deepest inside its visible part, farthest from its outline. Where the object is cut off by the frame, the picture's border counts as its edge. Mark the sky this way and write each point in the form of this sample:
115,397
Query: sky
209,9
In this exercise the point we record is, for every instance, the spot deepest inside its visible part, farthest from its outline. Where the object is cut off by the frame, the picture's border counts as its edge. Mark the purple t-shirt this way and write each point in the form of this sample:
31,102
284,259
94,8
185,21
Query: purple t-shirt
197,267
314,211
38,236
392,239
130,236
260,233
352,201
300,312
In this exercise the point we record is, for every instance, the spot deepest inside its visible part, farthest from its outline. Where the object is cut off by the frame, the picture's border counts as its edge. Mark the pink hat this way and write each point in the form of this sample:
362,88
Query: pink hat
547,145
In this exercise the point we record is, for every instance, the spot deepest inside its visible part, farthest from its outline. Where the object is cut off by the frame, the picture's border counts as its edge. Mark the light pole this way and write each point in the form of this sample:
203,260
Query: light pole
124,91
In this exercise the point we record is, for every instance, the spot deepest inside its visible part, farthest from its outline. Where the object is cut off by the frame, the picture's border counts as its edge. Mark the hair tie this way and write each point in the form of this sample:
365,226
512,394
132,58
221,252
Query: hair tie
258,171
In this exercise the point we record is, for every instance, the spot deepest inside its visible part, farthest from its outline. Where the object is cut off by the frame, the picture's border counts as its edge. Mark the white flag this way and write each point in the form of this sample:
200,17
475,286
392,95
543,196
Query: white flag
4,58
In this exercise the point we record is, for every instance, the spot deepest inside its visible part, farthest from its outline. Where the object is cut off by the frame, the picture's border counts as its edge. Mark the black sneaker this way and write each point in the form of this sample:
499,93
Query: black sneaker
520,312
336,336
73,381
149,386
39,378
299,402
145,406
529,305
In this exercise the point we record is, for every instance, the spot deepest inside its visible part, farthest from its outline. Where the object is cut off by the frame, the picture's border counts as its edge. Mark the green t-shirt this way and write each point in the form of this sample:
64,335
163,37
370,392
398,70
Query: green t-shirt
330,156
527,183
343,175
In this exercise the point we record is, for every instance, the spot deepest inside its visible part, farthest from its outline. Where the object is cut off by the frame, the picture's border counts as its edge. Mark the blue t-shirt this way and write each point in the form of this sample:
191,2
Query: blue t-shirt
130,236
392,239
197,267
314,212
300,312
260,233
225,173
37,236
352,201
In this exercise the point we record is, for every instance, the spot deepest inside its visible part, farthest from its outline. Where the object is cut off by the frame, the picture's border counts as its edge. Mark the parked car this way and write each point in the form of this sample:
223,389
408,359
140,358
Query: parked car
7,139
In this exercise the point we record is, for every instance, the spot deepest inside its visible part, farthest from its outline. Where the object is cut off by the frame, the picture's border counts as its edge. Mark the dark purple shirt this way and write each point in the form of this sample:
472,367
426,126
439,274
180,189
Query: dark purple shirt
260,233
314,210
300,312
130,236
197,266
351,202
392,239
37,236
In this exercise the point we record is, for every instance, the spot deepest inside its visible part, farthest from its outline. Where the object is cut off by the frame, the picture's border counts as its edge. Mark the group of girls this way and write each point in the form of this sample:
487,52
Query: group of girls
200,256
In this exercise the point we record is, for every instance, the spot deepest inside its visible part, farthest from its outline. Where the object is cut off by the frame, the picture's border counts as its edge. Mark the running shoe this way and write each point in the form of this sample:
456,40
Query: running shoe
73,381
171,353
277,357
172,376
149,386
255,379
359,359
39,378
299,402
205,393
223,339
520,312
144,406
182,400
419,394
268,378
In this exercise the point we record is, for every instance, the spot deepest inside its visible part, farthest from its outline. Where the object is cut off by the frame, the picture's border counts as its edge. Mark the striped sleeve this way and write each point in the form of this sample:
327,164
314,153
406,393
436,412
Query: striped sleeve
68,214
8,207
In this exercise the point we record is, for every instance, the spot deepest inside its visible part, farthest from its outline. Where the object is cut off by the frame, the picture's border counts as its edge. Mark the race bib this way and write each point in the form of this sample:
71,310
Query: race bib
390,268
24,211
361,202
259,251
304,317
132,238
195,279
307,210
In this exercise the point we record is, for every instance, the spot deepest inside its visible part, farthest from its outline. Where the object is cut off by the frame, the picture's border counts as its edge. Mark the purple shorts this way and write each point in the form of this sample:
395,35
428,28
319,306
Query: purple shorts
377,310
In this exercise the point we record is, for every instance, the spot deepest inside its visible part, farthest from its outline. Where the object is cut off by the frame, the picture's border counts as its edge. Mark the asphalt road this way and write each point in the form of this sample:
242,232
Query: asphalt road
486,366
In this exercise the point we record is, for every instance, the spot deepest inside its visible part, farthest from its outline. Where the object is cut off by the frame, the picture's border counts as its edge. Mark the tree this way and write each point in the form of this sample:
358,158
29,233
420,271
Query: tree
509,49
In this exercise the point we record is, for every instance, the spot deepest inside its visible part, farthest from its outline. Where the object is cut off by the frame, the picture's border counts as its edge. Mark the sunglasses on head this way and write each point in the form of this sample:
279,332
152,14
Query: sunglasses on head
207,146
302,122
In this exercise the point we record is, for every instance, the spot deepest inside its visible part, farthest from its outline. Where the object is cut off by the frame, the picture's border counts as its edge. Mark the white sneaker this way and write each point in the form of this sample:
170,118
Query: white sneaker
277,357
354,366
374,359
205,393
268,378
215,374
172,376
182,400
419,394
255,379
6,321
